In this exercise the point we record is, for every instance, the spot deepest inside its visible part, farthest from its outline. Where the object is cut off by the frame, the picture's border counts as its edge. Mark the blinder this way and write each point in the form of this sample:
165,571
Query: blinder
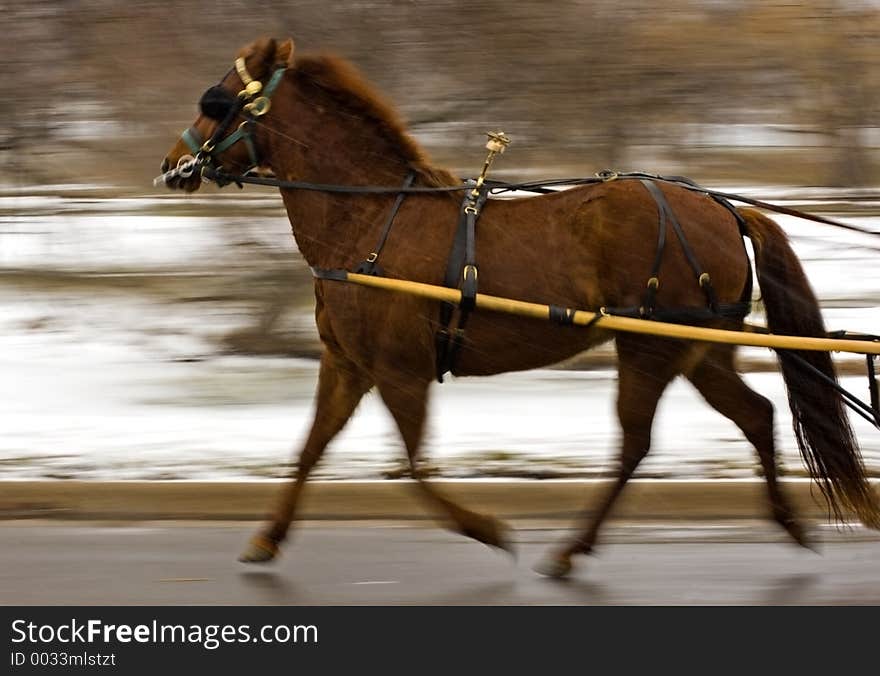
216,103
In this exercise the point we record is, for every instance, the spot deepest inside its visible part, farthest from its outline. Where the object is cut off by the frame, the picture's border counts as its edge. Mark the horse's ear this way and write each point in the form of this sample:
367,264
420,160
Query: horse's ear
284,53
259,55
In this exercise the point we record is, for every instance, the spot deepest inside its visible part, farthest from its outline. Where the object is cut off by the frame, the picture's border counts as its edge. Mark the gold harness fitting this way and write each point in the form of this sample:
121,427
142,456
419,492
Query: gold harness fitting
251,87
259,106
496,145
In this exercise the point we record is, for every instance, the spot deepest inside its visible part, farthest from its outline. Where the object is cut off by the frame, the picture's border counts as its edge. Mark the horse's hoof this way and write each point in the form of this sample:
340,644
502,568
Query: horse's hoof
505,543
806,542
797,532
501,538
492,532
557,566
259,550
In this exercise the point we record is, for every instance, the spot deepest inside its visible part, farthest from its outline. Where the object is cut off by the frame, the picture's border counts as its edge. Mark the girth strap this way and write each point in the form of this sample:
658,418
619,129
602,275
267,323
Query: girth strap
461,272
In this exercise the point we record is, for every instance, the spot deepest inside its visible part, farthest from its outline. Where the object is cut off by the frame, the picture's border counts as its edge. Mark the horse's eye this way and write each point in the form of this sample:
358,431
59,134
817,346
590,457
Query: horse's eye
216,103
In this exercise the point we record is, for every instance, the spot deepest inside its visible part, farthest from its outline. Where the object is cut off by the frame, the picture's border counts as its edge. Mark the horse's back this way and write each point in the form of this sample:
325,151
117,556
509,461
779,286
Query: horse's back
596,245
589,247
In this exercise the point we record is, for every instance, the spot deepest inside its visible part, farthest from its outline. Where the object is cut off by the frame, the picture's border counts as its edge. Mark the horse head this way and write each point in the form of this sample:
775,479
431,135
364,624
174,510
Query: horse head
226,133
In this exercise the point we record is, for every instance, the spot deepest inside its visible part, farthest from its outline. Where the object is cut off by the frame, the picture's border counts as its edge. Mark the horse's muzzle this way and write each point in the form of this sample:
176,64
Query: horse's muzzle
184,176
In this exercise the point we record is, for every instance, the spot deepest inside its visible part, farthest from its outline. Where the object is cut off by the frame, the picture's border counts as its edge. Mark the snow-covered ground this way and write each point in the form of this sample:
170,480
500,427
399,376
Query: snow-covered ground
122,386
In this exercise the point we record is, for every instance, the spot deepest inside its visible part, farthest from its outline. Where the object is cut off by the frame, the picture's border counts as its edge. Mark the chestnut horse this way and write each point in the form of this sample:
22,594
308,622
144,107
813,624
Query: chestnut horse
590,246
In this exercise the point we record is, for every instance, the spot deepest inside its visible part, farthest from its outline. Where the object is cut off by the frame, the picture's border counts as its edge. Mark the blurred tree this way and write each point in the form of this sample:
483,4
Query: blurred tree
593,83
835,54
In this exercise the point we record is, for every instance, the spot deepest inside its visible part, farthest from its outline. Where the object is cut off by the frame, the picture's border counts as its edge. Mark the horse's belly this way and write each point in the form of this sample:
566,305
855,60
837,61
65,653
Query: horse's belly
496,344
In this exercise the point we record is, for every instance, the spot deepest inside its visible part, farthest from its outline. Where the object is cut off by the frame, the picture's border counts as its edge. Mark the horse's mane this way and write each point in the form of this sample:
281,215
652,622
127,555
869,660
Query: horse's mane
344,82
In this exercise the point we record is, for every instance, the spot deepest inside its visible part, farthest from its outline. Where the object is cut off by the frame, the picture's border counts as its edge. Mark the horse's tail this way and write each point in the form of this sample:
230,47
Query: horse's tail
824,436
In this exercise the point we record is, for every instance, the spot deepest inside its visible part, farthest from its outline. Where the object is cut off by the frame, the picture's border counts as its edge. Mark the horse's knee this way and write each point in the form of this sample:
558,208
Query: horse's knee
308,458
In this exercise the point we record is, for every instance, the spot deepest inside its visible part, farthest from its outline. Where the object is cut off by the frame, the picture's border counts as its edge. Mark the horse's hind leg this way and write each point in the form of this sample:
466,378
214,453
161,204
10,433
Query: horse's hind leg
646,366
341,385
406,398
724,390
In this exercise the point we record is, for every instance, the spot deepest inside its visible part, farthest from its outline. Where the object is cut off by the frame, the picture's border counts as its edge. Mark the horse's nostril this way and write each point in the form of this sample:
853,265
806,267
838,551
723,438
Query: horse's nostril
165,165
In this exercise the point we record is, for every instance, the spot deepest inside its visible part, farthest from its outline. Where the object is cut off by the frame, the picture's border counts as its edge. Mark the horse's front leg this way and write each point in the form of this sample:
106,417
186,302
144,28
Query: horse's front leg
341,385
406,396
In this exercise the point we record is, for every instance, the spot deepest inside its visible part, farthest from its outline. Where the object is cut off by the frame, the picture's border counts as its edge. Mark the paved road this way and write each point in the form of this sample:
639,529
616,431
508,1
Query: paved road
170,564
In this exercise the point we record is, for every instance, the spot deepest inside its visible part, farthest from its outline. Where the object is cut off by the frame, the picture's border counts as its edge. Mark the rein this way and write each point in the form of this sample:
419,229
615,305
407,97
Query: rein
495,187
223,178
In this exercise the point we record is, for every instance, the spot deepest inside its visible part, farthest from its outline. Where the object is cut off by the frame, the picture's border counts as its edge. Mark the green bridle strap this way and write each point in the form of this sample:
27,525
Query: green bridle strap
256,108
251,111
273,83
243,133
193,139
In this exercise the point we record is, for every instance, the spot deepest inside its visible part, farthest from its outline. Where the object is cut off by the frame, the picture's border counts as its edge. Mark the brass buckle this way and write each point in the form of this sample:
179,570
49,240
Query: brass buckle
258,107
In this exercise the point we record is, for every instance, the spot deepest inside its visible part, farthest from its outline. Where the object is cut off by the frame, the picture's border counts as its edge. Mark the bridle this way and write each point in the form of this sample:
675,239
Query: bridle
218,104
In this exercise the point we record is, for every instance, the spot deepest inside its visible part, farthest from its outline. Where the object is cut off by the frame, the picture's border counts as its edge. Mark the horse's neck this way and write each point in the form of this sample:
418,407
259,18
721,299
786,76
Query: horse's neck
335,229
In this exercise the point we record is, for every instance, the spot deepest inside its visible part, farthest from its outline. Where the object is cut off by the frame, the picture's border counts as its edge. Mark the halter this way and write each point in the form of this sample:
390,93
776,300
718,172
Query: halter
252,102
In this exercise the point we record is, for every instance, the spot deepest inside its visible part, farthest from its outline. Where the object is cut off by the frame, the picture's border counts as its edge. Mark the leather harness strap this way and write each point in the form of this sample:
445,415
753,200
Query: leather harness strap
461,272
369,266
667,215
648,308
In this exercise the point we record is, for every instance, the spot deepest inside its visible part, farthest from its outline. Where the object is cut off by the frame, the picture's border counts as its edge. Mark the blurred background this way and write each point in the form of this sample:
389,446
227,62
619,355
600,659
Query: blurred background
730,89
145,334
